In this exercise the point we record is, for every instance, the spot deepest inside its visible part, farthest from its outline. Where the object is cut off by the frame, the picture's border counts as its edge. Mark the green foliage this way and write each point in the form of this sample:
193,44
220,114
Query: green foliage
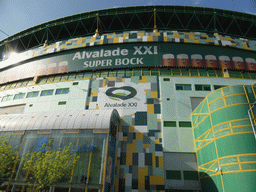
46,169
8,159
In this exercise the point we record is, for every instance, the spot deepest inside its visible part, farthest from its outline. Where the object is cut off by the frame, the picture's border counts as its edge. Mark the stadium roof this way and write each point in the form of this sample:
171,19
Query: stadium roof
180,18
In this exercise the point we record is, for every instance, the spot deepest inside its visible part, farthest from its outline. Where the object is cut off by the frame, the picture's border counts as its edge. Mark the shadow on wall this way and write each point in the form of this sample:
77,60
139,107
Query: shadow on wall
208,184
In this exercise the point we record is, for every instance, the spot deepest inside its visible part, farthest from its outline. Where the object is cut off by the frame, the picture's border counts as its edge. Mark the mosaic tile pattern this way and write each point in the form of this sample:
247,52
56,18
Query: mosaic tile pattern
142,36
140,163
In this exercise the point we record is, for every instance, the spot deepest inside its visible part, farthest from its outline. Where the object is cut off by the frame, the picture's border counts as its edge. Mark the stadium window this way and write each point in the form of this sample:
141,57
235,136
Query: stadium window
166,79
75,83
62,91
190,175
218,86
185,124
19,96
170,123
6,98
202,87
47,92
62,103
185,87
175,175
32,94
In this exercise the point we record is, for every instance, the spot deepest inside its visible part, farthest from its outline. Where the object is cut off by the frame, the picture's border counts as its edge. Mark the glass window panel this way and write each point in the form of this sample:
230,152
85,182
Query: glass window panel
198,87
145,72
187,87
57,78
62,91
154,72
47,92
64,77
19,96
137,72
96,74
179,87
165,72
207,88
72,76
121,73
176,72
87,75
128,73
112,74
7,98
32,94
170,123
104,74
79,76
50,79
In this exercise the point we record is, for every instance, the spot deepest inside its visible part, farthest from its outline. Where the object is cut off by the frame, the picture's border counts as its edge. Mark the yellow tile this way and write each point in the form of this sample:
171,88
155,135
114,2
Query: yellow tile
94,93
44,52
143,79
165,39
68,42
191,36
156,180
93,39
204,35
153,160
150,38
157,141
84,45
75,46
116,184
150,108
48,47
140,34
146,91
101,42
220,36
208,40
125,139
64,47
153,94
159,120
112,78
176,35
145,145
97,106
245,46
54,46
79,41
157,34
185,40
109,36
161,161
104,83
125,35
116,40
131,129
139,136
143,171
123,79
196,41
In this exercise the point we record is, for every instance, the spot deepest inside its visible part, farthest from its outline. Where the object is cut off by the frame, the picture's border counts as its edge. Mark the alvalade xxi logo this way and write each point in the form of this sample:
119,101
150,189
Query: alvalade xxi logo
120,95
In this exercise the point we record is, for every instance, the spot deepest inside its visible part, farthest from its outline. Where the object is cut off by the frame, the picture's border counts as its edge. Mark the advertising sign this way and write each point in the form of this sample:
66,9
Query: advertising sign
197,60
211,61
182,60
126,97
168,60
250,64
238,63
225,62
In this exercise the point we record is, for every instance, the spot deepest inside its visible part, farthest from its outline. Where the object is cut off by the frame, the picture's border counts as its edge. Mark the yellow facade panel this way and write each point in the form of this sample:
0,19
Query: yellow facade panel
208,40
79,41
140,34
109,36
150,108
75,46
153,94
165,39
143,171
143,79
131,129
196,41
116,40
161,161
176,35
157,33
153,160
150,38
94,93
139,136
145,145
157,141
68,42
156,180
112,78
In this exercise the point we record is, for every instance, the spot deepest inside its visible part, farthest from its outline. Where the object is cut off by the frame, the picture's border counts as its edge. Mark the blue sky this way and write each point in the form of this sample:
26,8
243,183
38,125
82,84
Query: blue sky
18,15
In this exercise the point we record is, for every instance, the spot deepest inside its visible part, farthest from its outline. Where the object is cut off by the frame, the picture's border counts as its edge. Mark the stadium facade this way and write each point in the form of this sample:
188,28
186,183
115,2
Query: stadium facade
153,98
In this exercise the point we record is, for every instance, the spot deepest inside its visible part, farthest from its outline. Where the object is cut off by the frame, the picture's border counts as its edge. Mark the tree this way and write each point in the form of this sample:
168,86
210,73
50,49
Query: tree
48,167
8,159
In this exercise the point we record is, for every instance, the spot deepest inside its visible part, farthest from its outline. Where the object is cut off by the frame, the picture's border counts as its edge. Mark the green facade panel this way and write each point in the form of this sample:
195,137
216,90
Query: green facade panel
224,140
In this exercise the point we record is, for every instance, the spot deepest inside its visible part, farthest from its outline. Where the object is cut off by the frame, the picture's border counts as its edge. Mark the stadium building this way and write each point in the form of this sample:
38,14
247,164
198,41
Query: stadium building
153,98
